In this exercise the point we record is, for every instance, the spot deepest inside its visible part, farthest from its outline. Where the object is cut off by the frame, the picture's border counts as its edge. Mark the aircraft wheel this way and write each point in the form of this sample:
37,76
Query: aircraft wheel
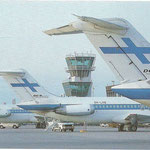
15,127
134,128
37,125
120,128
2,127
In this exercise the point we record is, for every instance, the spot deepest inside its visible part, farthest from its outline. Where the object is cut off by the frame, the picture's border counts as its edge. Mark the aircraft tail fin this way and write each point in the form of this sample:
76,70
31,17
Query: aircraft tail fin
25,87
123,48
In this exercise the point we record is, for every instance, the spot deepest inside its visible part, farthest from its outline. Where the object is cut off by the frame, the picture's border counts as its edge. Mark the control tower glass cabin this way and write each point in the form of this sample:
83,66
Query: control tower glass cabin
79,67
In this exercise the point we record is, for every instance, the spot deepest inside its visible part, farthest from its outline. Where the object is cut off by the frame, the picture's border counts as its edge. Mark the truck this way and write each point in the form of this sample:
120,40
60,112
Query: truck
63,127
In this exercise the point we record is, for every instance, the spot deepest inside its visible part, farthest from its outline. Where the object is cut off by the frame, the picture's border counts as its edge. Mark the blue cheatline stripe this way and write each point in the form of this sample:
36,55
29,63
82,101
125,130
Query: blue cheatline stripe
96,106
134,93
19,111
131,49
26,84
120,107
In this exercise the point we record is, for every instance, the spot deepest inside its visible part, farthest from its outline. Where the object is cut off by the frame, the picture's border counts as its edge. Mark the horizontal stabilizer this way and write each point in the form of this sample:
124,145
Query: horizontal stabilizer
68,29
94,25
19,73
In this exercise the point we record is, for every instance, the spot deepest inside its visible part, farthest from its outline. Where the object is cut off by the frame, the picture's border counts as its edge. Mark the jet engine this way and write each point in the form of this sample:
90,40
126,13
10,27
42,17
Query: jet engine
76,110
4,113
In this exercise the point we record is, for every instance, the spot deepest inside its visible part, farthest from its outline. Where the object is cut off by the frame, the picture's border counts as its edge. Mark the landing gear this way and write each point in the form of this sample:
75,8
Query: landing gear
121,127
128,128
41,125
2,127
15,127
132,128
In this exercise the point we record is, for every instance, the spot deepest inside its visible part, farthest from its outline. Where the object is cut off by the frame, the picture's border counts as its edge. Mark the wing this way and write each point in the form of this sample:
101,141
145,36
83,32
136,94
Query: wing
132,118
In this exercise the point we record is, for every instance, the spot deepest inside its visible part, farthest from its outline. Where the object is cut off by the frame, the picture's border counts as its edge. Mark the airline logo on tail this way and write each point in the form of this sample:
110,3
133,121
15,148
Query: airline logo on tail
131,49
26,84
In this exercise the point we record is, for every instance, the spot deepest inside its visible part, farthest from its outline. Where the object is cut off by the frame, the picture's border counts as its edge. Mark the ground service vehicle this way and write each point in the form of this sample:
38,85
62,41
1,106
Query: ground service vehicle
12,125
63,127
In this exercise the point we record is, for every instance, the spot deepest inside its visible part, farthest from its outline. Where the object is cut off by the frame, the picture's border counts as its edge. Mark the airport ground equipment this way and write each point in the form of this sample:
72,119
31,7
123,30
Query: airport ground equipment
123,48
63,127
12,125
80,66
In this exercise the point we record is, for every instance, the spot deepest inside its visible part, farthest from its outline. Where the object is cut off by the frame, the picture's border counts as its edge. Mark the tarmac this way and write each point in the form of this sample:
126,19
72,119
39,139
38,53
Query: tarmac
95,138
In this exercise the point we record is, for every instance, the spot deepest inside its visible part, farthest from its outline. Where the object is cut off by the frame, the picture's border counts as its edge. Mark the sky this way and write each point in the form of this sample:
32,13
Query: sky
24,45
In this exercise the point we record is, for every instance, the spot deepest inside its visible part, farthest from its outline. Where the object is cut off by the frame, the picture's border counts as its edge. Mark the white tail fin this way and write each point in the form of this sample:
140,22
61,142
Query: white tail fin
123,48
24,85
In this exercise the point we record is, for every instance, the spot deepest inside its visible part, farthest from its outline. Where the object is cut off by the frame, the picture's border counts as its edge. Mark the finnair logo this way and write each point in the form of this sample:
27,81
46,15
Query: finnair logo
131,49
26,84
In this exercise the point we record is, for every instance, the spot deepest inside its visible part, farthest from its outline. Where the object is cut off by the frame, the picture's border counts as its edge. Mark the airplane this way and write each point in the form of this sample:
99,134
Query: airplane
122,47
91,110
14,114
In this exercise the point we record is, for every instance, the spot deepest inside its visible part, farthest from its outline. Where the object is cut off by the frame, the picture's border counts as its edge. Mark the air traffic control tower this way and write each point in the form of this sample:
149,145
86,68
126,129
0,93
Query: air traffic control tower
79,82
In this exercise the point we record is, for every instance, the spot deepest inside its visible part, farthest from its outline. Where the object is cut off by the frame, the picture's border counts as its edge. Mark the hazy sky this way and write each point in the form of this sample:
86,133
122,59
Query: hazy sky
24,45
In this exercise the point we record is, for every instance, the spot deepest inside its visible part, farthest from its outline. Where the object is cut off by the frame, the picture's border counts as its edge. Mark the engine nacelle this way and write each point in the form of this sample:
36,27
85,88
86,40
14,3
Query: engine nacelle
4,113
76,110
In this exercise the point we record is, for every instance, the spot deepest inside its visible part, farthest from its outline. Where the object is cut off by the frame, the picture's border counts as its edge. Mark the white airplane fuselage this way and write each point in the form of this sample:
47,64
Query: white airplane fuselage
101,109
17,115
